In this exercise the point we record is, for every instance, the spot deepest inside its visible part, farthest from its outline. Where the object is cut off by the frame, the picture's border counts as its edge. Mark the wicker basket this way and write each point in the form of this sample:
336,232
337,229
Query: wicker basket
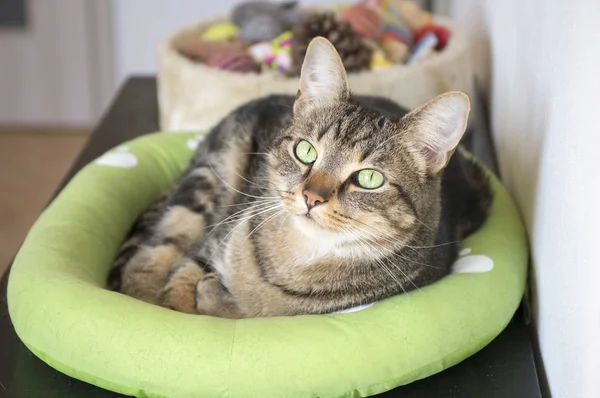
193,96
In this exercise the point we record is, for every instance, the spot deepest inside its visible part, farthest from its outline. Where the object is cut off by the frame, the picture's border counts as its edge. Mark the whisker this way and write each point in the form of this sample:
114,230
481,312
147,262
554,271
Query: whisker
253,213
432,246
229,233
404,245
265,222
247,180
236,190
374,251
267,188
253,205
395,254
423,224
255,185
244,213
282,222
382,263
250,203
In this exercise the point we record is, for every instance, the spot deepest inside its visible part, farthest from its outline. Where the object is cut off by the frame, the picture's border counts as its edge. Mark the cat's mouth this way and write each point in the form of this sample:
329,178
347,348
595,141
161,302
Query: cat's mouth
307,217
309,222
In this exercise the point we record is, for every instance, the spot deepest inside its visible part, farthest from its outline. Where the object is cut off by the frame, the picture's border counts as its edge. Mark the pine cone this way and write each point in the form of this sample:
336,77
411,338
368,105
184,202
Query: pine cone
355,53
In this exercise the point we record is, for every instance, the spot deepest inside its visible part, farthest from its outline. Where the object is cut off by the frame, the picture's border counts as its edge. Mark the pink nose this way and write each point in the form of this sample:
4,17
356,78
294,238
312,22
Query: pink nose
312,198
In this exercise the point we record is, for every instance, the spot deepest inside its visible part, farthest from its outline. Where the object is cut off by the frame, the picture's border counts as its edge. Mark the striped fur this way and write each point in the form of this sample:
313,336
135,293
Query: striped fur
239,237
177,258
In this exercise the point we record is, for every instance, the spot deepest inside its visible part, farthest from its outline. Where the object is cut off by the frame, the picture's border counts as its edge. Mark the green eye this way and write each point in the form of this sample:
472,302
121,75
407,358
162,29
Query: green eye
305,152
369,179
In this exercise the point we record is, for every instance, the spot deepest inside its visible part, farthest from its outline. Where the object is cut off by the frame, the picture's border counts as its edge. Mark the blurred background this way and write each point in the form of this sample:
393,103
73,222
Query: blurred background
61,63
536,63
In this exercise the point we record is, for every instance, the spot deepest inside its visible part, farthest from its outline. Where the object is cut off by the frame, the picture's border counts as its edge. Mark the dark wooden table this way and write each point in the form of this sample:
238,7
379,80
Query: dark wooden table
503,369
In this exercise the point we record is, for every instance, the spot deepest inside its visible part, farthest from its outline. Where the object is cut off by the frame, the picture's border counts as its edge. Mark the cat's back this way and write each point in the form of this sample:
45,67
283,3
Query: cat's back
266,117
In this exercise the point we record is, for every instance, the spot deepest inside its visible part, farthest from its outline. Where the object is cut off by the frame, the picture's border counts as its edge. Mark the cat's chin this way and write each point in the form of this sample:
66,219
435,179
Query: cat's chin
311,226
321,241
305,223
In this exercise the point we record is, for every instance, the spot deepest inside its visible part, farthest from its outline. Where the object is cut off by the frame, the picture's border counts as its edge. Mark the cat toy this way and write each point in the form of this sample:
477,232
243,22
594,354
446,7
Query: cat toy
275,55
260,21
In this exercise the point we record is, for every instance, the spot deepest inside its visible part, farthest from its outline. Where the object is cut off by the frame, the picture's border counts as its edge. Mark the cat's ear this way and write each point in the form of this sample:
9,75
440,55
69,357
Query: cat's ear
437,127
322,79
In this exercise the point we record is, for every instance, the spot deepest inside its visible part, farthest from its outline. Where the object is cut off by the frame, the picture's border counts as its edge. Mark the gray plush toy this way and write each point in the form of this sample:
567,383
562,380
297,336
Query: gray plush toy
264,20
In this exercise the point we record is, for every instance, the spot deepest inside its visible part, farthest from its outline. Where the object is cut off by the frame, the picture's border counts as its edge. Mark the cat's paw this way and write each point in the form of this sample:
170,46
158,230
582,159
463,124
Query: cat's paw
180,292
212,298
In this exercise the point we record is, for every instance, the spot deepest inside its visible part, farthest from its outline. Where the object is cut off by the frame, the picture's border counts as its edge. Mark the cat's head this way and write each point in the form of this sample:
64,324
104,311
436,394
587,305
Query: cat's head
352,173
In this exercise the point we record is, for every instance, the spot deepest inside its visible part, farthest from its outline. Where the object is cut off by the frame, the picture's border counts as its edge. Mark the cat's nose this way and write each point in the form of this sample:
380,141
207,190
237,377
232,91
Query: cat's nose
312,198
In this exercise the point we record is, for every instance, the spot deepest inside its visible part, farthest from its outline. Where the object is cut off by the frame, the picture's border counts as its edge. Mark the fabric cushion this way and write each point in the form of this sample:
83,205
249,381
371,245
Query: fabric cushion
62,311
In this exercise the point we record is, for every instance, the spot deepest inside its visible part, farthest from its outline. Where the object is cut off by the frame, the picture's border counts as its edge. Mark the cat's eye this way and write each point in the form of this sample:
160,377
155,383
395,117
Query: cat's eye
369,179
305,152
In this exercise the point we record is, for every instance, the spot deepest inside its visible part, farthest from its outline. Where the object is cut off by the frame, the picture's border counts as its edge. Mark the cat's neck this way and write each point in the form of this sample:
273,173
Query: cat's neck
308,247
304,263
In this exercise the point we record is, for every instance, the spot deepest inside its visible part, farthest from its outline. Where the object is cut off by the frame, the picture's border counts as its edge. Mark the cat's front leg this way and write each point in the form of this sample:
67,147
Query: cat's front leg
192,290
212,298
179,293
164,234
144,274
187,213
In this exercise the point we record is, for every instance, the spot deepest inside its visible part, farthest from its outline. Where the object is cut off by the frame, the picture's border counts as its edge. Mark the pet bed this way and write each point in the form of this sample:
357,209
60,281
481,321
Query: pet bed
62,311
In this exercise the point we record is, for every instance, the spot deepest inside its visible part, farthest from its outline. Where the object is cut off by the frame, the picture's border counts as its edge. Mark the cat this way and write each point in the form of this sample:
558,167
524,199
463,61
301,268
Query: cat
310,205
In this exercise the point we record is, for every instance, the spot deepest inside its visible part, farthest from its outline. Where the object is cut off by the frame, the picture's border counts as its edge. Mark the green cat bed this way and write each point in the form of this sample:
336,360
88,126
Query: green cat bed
61,310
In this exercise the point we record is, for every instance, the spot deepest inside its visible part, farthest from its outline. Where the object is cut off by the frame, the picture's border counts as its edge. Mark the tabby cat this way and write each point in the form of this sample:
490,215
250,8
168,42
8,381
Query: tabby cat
310,205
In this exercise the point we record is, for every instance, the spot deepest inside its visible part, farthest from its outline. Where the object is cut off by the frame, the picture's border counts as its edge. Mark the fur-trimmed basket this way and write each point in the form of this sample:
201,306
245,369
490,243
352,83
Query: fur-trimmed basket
193,96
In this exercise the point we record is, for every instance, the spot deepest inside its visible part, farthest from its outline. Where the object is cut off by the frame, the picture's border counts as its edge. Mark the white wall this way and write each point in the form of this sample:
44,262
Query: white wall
140,25
53,72
43,68
545,106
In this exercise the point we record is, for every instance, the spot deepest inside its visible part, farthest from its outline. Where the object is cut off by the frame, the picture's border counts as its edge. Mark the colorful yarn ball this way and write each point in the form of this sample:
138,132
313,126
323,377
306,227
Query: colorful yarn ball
399,32
427,19
260,51
373,3
274,55
379,61
240,62
283,41
441,32
411,13
364,20
395,50
280,61
220,32
424,47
